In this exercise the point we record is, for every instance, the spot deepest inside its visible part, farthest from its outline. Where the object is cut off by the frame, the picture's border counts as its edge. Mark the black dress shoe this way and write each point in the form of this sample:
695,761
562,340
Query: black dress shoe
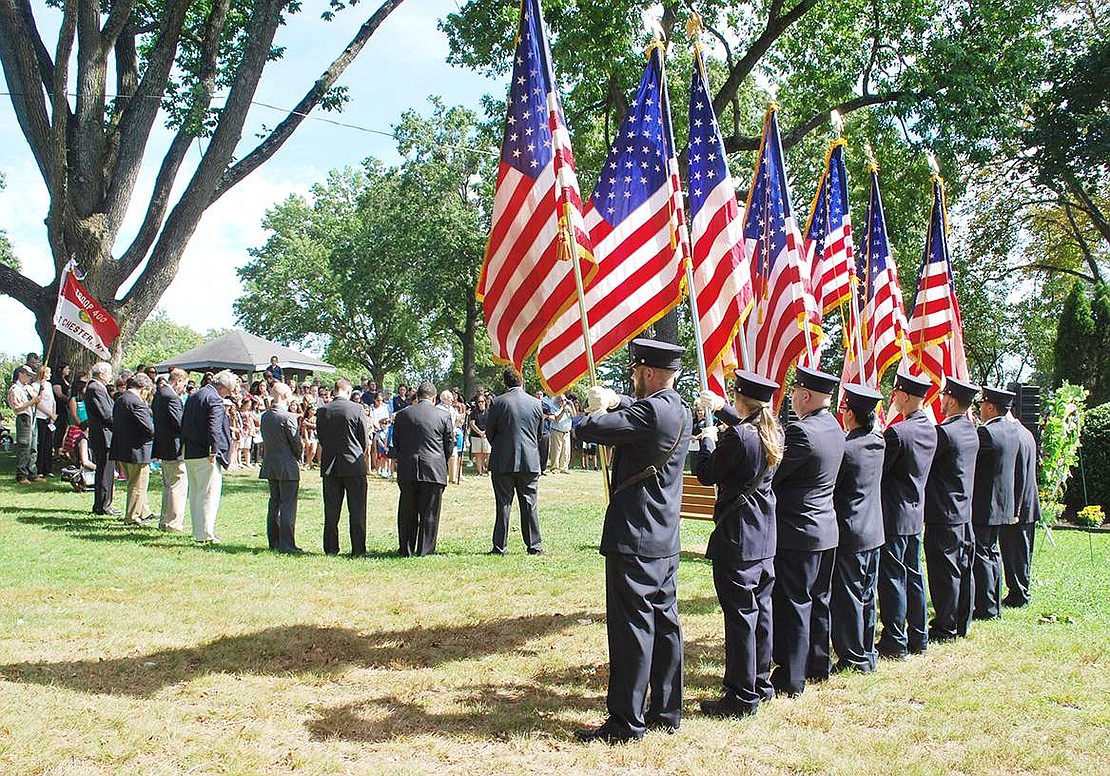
1014,603
728,705
537,551
607,733
496,552
657,723
892,654
112,511
292,551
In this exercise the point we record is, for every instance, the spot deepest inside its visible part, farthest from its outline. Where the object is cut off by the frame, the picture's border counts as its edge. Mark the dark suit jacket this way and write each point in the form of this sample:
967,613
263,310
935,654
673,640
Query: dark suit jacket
744,512
857,497
132,430
423,442
995,469
98,405
167,409
281,434
805,480
513,428
642,519
952,476
1026,497
205,428
910,446
344,438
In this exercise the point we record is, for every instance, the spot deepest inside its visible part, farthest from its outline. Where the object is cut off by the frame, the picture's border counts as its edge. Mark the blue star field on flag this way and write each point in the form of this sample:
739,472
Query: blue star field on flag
527,141
769,205
707,154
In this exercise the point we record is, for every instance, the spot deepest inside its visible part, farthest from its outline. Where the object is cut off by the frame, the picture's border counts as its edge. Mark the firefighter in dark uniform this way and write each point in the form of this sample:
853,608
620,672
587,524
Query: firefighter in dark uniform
992,504
649,435
910,445
1016,540
742,545
859,516
949,541
807,535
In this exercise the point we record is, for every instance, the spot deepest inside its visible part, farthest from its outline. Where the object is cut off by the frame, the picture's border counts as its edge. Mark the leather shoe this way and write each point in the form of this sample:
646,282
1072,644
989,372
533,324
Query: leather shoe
606,733
496,552
885,655
1014,603
537,551
292,551
657,723
728,705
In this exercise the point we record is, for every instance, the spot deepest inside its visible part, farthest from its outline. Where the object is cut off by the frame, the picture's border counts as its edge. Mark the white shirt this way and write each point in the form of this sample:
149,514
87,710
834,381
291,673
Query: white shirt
47,408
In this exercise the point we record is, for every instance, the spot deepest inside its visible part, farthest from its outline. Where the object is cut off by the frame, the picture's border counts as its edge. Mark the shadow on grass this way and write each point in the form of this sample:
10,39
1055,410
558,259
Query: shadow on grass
292,649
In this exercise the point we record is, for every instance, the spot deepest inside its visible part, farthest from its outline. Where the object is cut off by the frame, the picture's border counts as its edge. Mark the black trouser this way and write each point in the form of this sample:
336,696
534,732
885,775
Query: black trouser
525,486
46,447
105,480
744,592
949,552
987,573
544,444
801,618
1016,544
354,488
645,641
418,517
852,609
903,608
281,515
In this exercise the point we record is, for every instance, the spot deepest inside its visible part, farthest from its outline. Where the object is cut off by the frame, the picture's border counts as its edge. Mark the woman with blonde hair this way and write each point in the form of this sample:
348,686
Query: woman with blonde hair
742,545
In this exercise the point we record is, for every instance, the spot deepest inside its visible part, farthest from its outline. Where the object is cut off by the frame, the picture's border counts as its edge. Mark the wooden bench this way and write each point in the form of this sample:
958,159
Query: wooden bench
697,499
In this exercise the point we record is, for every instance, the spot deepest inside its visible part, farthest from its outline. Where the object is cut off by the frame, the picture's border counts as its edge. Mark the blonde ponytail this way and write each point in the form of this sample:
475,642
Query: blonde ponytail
770,432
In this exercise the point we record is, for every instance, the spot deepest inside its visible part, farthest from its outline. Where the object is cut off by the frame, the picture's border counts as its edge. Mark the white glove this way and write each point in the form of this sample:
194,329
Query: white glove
709,432
598,397
709,402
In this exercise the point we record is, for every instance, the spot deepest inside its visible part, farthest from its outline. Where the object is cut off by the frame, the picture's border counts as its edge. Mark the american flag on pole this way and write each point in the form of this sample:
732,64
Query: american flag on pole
527,279
827,244
633,219
936,332
722,276
786,321
882,325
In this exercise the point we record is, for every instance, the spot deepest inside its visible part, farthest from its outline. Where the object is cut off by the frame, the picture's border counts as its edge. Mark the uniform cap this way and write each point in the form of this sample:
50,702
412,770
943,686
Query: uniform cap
914,386
814,380
960,390
755,387
656,354
861,399
998,397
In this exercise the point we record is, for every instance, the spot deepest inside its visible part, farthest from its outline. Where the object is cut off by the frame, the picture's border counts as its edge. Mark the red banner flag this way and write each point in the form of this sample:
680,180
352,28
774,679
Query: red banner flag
80,317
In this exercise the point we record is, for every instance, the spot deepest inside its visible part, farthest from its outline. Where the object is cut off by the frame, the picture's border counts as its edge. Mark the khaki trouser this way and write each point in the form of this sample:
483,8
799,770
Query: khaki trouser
560,451
205,483
138,478
173,495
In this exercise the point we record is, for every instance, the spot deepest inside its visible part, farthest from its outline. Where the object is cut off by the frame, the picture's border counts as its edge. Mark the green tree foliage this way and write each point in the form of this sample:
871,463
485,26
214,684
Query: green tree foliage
158,339
1090,483
1084,330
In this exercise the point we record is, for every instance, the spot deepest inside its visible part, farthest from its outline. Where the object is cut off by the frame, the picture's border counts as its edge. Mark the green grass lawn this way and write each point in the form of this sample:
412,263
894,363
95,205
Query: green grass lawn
126,650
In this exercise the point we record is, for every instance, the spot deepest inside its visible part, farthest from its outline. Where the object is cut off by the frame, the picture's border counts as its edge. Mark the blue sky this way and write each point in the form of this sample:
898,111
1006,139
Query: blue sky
400,67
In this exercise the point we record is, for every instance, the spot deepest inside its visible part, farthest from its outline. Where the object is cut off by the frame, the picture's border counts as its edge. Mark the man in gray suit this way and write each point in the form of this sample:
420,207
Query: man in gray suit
423,442
344,463
513,428
281,466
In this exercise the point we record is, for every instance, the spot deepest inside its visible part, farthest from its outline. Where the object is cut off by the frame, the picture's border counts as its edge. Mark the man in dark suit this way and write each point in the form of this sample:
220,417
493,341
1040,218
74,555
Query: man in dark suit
650,435
98,405
949,541
807,535
993,504
281,465
859,517
167,409
513,428
344,463
423,442
206,444
132,439
1016,540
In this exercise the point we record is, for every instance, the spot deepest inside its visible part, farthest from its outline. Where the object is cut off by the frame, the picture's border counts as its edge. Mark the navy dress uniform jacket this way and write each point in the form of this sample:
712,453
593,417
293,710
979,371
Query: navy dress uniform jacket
744,513
857,498
166,408
1026,497
423,441
910,446
132,430
643,519
804,483
995,471
205,428
951,483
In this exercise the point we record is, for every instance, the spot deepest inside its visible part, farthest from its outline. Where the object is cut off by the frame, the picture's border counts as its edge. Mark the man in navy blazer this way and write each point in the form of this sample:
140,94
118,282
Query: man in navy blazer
1016,540
281,466
514,426
132,439
206,438
423,442
167,409
993,504
98,405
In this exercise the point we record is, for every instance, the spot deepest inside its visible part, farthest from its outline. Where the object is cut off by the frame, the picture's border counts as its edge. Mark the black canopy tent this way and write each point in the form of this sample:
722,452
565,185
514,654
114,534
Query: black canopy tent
242,352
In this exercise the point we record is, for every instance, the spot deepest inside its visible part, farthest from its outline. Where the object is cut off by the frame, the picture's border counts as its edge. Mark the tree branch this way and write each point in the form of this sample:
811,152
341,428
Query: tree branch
24,79
20,288
1084,248
1053,268
117,20
46,66
270,145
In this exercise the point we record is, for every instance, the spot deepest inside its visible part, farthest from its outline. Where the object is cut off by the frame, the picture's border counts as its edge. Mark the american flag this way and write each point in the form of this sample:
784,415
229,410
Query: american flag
526,279
882,325
936,332
828,244
786,321
722,276
633,219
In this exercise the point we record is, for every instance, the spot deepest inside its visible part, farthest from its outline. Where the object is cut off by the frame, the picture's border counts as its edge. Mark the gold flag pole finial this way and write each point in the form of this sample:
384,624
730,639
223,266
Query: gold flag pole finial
869,152
694,26
933,164
837,122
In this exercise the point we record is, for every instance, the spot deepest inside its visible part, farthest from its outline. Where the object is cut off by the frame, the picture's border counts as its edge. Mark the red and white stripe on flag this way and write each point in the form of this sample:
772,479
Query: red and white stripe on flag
80,317
526,279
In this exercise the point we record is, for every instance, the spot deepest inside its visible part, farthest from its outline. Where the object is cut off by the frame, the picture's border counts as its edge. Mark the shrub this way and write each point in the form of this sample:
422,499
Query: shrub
1091,516
1050,511
1090,482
